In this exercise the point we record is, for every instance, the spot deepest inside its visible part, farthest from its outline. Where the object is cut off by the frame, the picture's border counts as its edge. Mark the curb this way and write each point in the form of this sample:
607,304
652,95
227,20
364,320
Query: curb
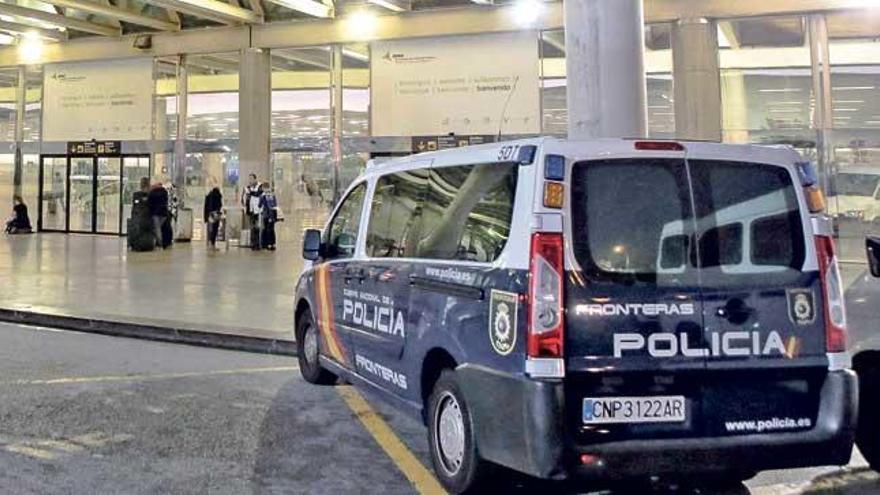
150,332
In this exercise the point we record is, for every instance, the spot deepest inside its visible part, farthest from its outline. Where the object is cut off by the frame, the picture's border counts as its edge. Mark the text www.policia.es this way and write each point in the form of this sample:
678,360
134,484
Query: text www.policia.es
772,424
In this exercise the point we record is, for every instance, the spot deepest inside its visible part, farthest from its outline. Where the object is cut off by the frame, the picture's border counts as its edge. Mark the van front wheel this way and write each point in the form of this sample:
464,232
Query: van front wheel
454,454
307,352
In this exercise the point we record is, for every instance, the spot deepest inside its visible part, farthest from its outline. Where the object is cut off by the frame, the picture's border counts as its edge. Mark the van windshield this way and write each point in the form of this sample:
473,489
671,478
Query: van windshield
634,220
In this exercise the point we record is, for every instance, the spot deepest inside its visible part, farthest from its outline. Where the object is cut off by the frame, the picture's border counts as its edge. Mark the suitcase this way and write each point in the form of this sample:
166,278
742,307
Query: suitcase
140,229
167,233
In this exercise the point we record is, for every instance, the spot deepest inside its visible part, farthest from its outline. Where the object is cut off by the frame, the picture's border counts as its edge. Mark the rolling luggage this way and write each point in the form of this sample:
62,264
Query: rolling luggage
140,227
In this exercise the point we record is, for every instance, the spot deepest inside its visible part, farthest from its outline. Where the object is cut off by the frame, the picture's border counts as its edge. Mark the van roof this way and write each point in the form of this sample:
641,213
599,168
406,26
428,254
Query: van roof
487,153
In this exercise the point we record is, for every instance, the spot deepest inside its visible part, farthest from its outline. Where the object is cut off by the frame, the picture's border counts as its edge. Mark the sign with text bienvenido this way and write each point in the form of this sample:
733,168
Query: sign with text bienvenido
105,100
466,85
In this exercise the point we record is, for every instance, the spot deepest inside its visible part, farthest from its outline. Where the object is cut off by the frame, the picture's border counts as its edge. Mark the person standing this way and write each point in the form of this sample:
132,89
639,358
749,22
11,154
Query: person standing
268,217
157,201
213,212
250,200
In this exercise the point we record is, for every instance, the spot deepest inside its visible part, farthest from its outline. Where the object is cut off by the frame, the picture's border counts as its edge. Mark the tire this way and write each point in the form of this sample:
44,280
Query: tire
868,432
454,453
307,352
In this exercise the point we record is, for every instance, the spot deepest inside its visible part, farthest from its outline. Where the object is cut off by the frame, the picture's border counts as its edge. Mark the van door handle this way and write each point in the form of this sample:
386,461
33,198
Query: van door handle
735,311
351,273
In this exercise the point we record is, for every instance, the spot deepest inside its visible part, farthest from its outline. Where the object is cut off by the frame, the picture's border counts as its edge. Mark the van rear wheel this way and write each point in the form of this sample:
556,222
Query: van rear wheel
868,432
308,352
454,454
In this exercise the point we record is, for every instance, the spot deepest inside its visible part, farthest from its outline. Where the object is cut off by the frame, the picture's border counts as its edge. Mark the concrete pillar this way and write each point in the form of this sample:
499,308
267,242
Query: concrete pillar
255,113
20,108
606,93
823,118
697,79
178,170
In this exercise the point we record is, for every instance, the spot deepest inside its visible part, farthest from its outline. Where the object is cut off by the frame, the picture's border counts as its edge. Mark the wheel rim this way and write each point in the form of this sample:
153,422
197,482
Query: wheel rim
310,345
449,432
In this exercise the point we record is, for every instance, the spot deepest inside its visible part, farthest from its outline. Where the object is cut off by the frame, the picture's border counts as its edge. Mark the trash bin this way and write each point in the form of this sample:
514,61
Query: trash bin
183,226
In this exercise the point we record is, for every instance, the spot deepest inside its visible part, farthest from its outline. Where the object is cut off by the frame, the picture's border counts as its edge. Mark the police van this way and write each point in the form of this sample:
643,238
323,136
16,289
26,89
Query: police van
589,310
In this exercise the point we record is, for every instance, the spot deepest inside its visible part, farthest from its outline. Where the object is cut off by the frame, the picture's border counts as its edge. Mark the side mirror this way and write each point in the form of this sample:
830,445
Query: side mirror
873,245
311,244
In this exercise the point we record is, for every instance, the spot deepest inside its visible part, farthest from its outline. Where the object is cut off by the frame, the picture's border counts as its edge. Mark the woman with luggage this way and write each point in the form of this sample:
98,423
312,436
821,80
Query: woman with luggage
268,210
213,214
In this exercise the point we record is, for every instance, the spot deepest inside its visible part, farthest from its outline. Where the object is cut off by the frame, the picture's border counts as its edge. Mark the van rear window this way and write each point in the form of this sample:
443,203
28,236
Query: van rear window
659,220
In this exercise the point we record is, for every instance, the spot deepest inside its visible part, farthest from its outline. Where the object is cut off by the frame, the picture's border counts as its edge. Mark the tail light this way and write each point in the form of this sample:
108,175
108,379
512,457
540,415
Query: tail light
835,312
546,320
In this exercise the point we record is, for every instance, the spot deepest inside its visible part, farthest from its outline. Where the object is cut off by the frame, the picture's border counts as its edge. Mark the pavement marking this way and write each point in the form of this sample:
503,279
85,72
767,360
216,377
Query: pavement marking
43,455
148,376
49,450
421,478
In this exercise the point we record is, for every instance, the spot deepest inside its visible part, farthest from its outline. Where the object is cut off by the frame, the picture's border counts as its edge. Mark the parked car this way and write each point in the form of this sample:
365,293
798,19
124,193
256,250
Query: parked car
855,195
863,314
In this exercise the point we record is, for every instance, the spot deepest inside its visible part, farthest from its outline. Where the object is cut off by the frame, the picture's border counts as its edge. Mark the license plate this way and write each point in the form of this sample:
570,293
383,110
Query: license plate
616,410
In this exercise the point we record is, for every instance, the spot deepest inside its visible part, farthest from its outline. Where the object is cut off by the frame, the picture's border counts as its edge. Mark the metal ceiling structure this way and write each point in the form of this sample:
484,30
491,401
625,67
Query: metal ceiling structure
744,23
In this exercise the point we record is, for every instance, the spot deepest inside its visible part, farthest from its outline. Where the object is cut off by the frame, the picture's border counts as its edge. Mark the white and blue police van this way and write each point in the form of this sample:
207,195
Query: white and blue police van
608,309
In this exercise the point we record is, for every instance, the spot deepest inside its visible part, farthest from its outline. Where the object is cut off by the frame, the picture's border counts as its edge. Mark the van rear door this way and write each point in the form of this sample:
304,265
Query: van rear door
634,342
762,297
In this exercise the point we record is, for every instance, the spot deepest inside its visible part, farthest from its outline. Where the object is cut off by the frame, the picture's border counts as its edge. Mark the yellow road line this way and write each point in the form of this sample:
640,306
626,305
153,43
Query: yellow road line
41,454
144,377
409,465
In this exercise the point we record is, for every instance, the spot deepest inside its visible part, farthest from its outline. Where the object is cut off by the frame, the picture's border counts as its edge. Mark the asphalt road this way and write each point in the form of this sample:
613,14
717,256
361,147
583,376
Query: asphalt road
83,413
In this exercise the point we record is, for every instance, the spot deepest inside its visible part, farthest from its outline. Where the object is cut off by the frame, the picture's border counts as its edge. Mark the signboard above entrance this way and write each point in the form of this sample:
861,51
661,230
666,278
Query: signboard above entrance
422,144
467,85
94,148
109,99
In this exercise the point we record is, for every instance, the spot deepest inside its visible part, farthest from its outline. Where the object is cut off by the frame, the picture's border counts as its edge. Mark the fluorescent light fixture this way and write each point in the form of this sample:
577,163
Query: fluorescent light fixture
780,90
310,7
854,88
526,12
394,5
846,109
786,103
849,102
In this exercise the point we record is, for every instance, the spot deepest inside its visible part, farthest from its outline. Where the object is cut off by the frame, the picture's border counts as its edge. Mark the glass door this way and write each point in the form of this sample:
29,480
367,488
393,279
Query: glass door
134,168
53,193
82,195
107,196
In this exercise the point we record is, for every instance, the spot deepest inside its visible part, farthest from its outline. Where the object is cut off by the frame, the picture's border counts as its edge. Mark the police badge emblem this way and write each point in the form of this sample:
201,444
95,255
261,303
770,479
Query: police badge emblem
801,306
503,308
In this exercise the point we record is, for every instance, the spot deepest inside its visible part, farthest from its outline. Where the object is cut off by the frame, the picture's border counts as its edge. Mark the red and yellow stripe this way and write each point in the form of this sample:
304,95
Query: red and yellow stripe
325,315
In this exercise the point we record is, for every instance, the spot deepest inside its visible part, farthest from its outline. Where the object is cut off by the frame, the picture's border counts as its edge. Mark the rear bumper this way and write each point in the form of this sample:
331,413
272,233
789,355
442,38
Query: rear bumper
519,424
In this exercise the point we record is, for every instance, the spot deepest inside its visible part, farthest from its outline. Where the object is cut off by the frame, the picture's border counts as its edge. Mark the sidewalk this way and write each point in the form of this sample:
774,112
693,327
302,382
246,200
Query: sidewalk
186,288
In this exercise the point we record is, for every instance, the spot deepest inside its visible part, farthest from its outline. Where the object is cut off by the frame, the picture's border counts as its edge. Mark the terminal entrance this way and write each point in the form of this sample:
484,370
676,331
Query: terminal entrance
88,194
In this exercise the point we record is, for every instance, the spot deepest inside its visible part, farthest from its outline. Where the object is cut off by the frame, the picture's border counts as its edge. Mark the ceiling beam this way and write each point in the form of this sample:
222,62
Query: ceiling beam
310,7
213,10
854,24
729,30
393,5
670,10
58,20
306,56
21,29
115,13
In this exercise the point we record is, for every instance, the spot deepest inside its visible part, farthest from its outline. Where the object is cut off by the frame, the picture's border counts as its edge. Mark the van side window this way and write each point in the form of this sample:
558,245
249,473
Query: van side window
343,230
393,231
468,212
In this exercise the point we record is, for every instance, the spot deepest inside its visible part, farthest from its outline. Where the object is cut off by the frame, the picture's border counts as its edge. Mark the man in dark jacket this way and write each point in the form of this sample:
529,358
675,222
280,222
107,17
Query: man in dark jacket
157,201
20,222
213,211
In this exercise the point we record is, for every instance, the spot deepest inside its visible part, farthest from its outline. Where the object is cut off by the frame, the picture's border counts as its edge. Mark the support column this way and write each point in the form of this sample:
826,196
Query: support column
178,171
734,107
336,125
823,118
697,79
20,108
255,114
605,43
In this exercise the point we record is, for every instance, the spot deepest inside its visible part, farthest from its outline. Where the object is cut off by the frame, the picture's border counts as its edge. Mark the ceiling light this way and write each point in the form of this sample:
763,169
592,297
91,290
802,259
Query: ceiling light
362,24
853,88
30,46
527,12
780,90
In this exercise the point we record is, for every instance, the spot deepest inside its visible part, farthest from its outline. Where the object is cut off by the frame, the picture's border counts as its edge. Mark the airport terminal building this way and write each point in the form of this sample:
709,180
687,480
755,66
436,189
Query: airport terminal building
200,93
